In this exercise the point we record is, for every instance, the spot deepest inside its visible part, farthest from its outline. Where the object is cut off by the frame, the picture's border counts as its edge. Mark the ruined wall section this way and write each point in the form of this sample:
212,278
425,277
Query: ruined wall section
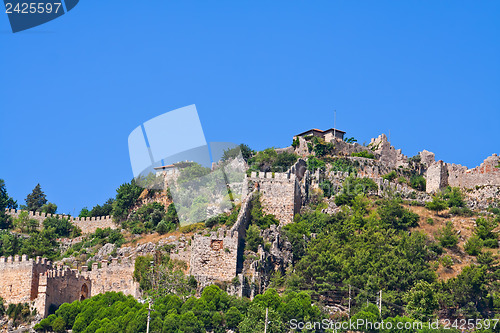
115,276
217,256
19,277
16,279
436,177
388,155
214,257
439,175
88,225
58,286
487,174
280,194
341,148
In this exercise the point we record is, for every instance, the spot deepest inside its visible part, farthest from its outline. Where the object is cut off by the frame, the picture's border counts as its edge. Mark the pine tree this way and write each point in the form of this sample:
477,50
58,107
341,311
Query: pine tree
36,199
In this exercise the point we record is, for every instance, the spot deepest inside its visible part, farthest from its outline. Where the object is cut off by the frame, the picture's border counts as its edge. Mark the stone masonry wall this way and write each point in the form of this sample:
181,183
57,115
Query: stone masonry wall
440,175
17,279
487,174
114,276
436,177
214,256
86,224
58,286
278,194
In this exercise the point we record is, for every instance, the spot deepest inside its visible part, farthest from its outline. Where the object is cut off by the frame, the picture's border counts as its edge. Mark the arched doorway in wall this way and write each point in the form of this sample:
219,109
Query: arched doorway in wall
84,293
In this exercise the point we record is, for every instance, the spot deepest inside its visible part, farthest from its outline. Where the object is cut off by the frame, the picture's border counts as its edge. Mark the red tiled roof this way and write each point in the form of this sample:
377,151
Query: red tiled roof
320,131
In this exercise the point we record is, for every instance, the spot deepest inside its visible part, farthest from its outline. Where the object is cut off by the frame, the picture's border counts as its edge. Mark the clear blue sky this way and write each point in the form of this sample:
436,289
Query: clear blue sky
73,89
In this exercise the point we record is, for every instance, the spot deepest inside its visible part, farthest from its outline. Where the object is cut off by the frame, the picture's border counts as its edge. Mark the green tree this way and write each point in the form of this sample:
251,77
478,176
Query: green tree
390,176
447,235
61,226
263,160
453,197
5,200
418,182
36,199
24,223
254,321
233,317
396,216
126,196
474,245
59,325
245,151
437,204
49,208
253,238
421,301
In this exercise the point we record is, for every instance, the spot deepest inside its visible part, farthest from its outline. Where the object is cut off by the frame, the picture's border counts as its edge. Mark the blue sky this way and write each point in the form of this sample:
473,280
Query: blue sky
72,90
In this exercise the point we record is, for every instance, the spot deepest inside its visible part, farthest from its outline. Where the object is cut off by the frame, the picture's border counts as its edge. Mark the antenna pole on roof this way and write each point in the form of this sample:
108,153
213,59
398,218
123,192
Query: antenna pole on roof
335,124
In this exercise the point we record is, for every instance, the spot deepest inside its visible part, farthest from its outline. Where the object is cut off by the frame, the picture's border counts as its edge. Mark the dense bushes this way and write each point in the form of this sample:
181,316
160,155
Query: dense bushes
126,197
269,160
365,258
152,217
98,210
418,182
364,154
447,236
214,310
353,187
62,227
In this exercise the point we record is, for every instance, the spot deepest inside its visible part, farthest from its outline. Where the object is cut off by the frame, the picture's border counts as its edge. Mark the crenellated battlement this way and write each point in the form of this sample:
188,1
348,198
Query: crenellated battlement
86,224
112,276
11,262
285,176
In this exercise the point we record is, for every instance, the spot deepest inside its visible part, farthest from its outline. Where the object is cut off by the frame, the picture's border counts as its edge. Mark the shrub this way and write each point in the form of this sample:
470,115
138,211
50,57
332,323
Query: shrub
314,164
484,229
453,197
396,216
418,183
473,246
490,243
327,187
61,227
321,148
344,165
430,221
437,204
447,236
461,211
364,154
446,261
352,187
390,176
253,239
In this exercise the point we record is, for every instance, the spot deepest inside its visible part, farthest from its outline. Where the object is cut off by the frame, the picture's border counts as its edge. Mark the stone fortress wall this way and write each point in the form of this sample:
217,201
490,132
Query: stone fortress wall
218,256
88,225
112,276
59,285
42,284
279,194
440,174
215,257
17,276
